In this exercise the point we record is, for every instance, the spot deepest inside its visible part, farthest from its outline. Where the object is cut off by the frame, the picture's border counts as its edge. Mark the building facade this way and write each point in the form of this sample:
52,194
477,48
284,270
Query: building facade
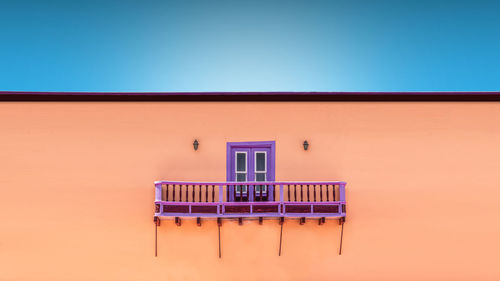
84,182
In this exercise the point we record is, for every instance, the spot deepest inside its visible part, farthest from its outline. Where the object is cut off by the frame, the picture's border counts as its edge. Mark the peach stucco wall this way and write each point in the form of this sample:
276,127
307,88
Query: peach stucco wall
76,197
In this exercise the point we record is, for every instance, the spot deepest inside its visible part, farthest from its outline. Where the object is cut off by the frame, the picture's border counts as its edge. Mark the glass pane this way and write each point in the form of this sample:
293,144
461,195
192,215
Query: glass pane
241,177
261,161
241,187
260,177
241,162
258,187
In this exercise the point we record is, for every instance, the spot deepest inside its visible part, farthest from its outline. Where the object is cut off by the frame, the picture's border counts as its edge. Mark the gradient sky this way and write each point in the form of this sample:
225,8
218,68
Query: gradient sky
249,45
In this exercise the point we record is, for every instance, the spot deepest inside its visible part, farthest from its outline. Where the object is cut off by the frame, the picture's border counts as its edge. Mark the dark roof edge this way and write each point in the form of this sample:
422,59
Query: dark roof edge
248,96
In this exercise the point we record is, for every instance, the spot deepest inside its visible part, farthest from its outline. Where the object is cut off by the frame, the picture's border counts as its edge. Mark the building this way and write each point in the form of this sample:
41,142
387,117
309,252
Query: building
412,178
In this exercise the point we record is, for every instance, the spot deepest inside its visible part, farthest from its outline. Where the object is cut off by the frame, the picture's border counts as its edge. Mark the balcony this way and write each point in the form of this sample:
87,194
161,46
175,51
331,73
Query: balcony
250,199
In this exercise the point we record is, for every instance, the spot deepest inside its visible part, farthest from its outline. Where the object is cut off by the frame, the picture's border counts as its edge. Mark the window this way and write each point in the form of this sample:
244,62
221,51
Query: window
260,170
241,170
250,162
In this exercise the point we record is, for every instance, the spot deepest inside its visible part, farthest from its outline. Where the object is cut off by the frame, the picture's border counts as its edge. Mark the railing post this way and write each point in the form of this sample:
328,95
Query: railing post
157,191
342,192
282,198
221,197
251,192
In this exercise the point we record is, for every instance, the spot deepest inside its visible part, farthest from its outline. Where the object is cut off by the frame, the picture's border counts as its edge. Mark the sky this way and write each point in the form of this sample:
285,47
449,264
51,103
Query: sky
270,45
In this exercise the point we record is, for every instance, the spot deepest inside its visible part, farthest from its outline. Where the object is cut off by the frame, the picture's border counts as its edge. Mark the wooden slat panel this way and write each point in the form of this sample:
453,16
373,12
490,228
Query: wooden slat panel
325,208
298,208
175,208
237,209
266,208
204,209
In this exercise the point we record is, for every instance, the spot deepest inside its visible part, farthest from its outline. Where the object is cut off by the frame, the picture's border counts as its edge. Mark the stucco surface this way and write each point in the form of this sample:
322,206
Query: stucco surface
76,190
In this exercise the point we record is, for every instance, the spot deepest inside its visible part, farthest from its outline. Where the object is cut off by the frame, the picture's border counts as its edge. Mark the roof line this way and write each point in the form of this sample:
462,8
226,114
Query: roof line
250,96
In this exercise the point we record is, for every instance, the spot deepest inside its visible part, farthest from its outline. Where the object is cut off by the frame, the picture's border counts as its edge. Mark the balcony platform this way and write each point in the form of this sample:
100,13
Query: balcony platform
223,200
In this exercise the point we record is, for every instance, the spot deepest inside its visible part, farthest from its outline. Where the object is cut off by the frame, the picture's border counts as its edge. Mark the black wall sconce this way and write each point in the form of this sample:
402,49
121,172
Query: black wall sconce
196,144
306,145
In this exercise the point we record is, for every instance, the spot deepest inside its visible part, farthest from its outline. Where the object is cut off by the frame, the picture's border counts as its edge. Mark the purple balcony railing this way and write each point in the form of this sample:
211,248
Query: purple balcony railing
250,199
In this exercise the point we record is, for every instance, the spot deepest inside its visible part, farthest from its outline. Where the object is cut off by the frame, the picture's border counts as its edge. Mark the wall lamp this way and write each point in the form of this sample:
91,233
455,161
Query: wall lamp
306,145
196,144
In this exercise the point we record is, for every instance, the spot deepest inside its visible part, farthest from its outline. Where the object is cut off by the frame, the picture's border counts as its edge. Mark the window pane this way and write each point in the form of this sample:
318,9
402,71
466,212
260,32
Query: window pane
241,177
241,162
260,177
239,188
261,161
258,187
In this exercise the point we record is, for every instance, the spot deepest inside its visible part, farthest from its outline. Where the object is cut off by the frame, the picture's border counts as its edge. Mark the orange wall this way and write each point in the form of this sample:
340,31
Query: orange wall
77,191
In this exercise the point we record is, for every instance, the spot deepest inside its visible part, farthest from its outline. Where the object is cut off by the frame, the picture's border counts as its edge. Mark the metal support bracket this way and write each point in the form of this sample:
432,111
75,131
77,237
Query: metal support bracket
281,222
302,221
157,223
341,222
219,224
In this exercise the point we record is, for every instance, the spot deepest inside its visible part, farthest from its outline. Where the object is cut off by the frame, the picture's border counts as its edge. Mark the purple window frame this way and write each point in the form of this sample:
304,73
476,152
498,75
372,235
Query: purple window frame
270,146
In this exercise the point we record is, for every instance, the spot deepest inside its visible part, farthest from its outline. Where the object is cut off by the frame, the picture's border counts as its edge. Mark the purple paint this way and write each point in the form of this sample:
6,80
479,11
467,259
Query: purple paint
250,148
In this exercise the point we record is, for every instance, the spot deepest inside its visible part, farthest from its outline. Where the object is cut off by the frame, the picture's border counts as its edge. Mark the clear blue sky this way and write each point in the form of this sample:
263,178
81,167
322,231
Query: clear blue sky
249,45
